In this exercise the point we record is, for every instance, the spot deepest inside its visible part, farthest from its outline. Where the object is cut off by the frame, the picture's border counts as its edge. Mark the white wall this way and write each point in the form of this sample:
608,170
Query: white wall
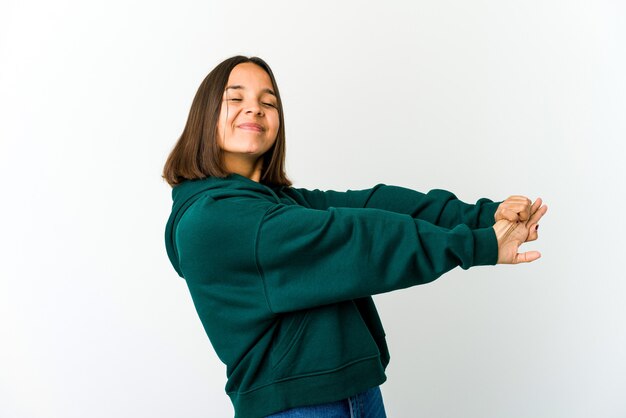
485,99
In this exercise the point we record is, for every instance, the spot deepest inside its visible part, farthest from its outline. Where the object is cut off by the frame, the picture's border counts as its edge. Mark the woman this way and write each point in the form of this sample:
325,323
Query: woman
282,277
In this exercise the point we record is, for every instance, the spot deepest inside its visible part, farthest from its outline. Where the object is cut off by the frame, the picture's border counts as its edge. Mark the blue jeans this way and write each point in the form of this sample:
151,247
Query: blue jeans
368,404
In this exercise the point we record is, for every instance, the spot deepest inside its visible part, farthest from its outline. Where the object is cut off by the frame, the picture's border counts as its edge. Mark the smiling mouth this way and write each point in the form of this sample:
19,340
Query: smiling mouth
251,128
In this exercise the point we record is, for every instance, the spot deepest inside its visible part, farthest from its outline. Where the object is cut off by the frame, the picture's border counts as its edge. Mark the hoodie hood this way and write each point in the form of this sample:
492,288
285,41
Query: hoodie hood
187,192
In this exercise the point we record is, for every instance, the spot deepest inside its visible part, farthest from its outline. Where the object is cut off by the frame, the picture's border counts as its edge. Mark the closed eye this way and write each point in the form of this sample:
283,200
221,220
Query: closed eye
235,99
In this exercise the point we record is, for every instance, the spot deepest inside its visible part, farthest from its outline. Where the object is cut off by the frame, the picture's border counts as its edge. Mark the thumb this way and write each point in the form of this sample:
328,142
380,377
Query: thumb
526,257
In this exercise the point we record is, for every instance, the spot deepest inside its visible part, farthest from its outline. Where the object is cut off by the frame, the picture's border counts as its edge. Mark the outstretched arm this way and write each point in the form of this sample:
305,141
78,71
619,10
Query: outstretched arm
298,258
438,206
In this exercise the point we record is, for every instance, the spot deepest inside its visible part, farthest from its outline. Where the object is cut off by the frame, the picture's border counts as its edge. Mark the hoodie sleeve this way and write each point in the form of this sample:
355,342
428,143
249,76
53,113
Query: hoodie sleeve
311,257
438,206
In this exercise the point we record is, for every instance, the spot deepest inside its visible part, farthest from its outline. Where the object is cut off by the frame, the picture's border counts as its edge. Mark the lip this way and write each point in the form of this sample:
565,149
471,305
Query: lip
251,127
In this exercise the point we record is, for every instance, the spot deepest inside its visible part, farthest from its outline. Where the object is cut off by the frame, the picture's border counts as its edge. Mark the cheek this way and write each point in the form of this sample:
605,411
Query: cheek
275,124
226,113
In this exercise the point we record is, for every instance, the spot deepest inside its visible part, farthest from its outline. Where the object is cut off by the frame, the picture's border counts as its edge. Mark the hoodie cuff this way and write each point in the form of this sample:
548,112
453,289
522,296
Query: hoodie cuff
487,213
485,247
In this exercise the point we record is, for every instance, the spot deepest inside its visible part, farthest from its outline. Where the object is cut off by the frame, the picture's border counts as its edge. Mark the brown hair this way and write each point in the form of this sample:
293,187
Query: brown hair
197,153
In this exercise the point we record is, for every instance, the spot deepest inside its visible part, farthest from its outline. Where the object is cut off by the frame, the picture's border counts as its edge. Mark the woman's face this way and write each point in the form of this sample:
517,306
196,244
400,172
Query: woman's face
248,122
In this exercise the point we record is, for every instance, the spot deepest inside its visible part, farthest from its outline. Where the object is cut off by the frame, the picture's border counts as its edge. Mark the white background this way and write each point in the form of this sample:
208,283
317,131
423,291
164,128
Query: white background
485,98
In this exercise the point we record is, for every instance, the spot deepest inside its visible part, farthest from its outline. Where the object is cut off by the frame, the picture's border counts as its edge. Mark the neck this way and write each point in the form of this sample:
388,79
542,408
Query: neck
252,170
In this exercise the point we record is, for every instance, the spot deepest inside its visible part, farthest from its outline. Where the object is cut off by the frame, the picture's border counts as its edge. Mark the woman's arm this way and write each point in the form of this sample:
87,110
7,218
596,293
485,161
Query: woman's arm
308,257
438,206
291,257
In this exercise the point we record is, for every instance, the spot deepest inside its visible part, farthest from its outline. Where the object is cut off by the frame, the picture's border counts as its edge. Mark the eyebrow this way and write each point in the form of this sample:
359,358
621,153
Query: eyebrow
240,87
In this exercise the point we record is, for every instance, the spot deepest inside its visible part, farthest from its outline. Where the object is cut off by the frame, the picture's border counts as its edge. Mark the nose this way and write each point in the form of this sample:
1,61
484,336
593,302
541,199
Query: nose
253,107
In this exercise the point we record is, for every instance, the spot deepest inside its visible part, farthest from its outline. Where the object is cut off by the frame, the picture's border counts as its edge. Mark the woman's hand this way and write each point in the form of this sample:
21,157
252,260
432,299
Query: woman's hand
511,235
514,208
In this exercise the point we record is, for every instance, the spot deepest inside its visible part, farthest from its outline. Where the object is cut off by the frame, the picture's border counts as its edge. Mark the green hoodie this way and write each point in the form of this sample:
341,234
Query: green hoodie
282,277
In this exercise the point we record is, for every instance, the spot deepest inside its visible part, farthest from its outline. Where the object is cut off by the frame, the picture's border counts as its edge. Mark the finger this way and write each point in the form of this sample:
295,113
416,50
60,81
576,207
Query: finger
510,214
533,210
533,233
527,257
535,206
521,210
518,198
524,213
534,219
525,210
521,207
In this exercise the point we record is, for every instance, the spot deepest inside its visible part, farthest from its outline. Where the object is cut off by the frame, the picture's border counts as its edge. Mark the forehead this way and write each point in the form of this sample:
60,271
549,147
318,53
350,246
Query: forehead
250,75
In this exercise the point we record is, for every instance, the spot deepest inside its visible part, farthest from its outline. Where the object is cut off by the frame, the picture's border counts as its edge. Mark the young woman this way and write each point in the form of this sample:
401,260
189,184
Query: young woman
282,277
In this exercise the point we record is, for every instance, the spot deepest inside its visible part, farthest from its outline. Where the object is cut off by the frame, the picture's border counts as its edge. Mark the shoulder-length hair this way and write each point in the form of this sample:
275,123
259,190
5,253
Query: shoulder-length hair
197,153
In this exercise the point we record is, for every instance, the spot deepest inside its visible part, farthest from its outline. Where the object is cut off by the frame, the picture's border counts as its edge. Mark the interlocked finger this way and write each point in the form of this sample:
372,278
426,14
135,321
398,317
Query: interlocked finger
537,213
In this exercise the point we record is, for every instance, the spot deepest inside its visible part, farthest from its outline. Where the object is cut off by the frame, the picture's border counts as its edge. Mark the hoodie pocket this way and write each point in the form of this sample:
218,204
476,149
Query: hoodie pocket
328,339
288,331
